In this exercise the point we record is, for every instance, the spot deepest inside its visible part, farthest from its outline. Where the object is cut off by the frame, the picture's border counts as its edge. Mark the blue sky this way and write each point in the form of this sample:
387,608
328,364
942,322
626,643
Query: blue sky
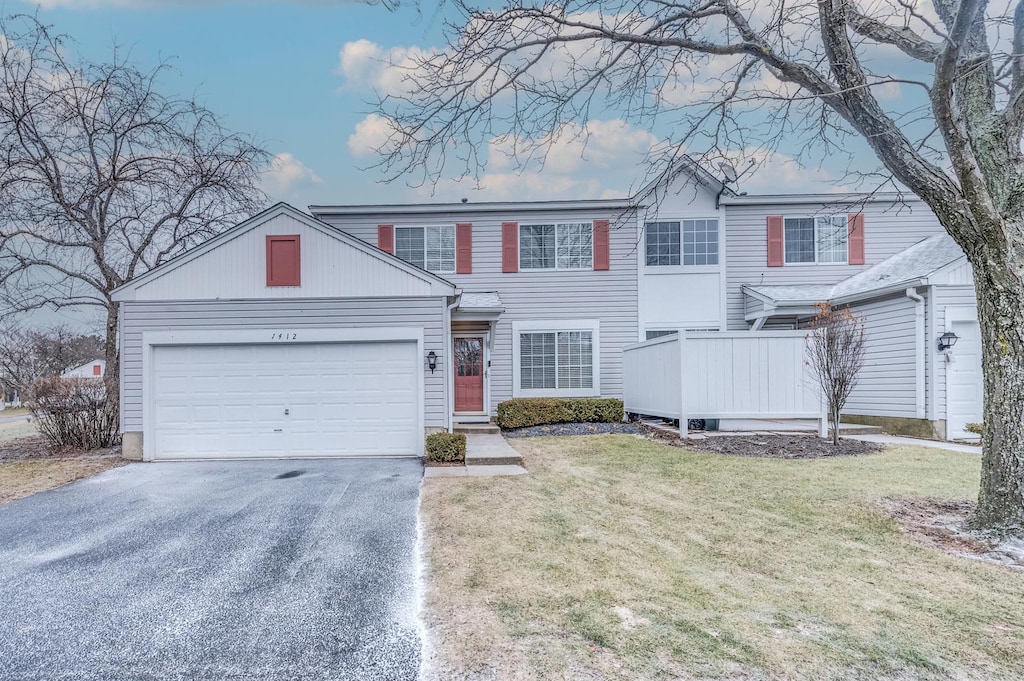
300,75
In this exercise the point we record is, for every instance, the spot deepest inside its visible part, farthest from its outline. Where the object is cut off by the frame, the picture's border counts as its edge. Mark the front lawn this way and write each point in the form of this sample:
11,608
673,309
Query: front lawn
619,558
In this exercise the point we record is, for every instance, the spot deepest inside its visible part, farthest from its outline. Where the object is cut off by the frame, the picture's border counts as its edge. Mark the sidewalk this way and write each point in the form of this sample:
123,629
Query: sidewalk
487,455
917,442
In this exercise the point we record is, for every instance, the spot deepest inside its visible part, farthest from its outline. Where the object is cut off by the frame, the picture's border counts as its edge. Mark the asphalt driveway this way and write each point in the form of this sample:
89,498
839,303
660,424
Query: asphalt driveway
236,570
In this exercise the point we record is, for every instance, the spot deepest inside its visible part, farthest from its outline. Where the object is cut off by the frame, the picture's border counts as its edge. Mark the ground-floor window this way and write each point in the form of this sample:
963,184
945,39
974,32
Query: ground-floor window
555,361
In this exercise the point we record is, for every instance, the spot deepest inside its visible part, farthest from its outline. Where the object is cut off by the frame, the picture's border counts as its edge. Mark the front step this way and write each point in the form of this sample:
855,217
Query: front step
482,428
486,449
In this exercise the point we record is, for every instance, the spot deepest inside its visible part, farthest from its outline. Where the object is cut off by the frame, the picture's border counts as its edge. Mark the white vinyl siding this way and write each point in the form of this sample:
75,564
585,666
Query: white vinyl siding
816,239
562,246
886,383
686,242
430,248
609,296
888,229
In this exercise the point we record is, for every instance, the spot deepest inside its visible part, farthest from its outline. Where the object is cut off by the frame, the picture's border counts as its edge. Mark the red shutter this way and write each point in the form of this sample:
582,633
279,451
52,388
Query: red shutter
386,238
283,260
510,247
776,254
602,258
464,248
856,238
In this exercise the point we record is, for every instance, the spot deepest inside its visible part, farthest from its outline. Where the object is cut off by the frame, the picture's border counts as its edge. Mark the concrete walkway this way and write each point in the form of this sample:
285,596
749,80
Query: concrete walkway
487,455
917,442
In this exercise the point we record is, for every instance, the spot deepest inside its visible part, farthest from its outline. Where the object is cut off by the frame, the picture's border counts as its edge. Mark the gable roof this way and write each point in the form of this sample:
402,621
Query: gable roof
910,267
127,290
684,166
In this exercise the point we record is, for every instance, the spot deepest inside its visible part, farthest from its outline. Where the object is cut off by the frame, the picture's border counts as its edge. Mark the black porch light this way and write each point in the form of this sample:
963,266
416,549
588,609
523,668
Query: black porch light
947,341
432,360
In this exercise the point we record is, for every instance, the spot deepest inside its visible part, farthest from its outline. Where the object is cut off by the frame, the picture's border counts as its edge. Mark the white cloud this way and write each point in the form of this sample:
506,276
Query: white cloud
287,174
365,64
370,136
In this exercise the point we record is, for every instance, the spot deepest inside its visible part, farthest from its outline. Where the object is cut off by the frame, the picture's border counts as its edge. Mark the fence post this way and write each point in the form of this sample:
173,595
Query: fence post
684,421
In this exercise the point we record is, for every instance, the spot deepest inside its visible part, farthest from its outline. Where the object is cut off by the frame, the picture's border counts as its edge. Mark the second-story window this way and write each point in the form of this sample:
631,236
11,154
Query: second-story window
816,239
686,242
561,246
432,248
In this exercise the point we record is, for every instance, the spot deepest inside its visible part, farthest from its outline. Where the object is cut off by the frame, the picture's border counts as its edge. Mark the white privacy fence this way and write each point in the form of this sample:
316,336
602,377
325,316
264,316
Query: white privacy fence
729,375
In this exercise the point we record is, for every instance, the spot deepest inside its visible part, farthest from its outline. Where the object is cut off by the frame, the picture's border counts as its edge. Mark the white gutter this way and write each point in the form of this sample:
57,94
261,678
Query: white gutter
920,345
449,379
470,207
813,199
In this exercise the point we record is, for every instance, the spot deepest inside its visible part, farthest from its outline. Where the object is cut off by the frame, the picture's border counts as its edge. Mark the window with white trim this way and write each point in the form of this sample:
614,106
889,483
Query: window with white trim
686,242
560,246
431,248
556,360
820,239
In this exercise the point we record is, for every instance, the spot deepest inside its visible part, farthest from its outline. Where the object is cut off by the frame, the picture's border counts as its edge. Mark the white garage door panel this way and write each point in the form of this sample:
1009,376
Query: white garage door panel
231,401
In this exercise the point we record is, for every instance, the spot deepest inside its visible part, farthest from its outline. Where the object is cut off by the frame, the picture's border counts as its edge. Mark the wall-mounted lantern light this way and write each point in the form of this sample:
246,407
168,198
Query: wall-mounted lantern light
432,360
947,341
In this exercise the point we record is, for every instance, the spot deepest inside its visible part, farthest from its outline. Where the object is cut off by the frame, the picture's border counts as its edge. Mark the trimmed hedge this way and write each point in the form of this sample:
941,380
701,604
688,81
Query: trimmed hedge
538,411
446,447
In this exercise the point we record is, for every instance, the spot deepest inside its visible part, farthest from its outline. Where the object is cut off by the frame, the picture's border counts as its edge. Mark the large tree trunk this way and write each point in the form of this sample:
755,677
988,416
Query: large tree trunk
110,350
999,285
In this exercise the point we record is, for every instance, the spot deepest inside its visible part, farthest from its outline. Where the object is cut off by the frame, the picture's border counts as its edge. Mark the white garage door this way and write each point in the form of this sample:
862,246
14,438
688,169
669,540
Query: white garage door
965,395
324,399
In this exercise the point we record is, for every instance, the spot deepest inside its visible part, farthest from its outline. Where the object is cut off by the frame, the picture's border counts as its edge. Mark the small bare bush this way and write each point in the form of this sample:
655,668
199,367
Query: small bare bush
75,412
837,344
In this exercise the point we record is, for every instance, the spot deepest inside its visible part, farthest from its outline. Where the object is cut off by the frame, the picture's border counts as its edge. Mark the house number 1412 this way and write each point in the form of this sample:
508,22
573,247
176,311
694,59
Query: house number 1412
283,336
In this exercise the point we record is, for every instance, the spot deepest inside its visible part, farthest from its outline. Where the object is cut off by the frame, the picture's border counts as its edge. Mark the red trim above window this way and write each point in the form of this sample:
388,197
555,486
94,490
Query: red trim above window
510,247
776,250
464,248
386,238
856,239
284,260
602,255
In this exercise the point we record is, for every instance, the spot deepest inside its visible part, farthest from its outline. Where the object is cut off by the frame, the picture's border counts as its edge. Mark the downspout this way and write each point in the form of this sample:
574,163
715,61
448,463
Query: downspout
920,342
448,378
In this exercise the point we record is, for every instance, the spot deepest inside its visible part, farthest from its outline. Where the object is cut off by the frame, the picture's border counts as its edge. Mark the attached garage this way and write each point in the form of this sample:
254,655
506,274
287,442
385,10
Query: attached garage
283,337
274,400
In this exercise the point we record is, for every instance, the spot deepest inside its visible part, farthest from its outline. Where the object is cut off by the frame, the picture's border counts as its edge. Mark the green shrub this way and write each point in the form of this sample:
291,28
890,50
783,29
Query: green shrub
446,447
539,411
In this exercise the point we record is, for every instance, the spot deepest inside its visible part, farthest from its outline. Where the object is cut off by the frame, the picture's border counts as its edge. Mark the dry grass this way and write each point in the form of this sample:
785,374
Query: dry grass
16,430
618,558
22,478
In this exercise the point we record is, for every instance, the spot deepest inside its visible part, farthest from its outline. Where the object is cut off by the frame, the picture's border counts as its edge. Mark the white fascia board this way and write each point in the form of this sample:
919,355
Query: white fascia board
487,207
828,199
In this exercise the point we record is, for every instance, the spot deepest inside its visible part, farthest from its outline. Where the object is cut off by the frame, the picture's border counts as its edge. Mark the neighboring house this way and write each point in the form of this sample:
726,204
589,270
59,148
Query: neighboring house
359,328
763,262
94,369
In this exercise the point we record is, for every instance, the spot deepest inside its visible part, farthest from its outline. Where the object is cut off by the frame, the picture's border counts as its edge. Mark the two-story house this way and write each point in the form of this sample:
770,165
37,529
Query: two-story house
355,330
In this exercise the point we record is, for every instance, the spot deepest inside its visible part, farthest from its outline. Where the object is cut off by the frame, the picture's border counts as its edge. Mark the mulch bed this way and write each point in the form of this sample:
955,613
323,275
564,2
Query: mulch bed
768,445
942,524
36,448
565,429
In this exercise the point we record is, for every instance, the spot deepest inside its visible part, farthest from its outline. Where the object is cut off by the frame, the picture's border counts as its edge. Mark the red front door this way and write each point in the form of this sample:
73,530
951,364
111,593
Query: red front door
469,374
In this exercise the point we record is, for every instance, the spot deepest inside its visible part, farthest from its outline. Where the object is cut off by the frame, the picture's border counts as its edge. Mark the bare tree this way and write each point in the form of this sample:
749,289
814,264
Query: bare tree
836,343
728,75
27,355
102,177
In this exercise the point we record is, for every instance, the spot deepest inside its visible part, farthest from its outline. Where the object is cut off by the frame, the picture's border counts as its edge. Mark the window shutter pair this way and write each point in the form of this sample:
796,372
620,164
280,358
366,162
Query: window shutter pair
510,246
854,240
463,245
